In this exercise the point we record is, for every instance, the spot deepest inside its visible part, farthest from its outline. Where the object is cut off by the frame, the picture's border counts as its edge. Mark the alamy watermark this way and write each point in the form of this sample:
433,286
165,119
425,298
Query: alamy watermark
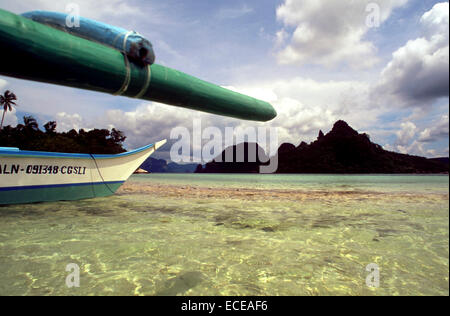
373,19
373,278
218,141
73,17
73,279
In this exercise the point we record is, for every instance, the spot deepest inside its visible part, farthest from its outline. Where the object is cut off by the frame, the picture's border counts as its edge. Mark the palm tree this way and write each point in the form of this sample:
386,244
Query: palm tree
30,123
6,101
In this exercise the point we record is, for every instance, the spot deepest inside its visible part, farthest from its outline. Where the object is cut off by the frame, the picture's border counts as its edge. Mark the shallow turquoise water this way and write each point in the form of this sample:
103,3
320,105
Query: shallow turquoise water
235,235
381,183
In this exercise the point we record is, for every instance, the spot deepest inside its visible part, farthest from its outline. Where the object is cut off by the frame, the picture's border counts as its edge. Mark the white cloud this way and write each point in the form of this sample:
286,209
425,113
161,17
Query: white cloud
280,38
414,140
406,134
328,32
149,122
436,20
152,121
234,13
418,148
10,118
419,71
438,131
305,106
66,122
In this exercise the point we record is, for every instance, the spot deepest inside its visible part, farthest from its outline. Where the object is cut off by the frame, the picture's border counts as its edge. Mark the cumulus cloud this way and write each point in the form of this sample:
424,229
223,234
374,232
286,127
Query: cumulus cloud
419,71
438,131
328,32
149,122
406,134
417,76
66,122
436,21
305,106
416,148
410,139
152,121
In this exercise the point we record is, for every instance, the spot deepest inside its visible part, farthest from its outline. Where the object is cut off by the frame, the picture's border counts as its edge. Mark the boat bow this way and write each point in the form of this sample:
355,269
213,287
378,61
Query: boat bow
29,176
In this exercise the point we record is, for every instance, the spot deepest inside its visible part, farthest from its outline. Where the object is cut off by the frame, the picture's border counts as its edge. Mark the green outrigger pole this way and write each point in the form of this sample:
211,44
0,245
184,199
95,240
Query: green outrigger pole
33,51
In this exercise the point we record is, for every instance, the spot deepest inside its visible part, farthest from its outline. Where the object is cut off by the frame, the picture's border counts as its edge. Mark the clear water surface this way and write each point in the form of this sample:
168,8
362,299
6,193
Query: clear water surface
191,234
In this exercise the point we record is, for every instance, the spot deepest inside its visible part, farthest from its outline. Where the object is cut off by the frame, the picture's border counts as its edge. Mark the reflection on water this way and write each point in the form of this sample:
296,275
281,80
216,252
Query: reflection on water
235,235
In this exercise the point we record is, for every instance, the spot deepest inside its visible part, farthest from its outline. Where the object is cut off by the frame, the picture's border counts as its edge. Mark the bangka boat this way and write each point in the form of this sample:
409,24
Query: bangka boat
31,176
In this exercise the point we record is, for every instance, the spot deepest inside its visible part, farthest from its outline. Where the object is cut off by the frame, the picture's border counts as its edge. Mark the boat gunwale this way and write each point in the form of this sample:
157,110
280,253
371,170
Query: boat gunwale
42,154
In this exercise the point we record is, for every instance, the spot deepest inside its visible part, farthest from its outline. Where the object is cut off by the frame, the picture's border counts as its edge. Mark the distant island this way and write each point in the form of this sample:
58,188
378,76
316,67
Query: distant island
342,150
154,165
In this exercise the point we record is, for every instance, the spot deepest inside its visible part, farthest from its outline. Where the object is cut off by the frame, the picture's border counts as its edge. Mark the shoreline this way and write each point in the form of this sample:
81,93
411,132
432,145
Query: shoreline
261,194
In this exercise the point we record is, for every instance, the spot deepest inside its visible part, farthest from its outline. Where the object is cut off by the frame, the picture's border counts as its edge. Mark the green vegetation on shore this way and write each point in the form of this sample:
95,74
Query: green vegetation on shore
28,136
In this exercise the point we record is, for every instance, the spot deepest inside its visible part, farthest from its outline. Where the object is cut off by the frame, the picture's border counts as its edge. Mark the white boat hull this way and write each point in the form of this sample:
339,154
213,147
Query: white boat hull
27,176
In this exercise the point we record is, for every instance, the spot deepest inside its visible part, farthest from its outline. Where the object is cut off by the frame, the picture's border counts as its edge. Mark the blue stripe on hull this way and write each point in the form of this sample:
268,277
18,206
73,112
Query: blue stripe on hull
31,187
64,192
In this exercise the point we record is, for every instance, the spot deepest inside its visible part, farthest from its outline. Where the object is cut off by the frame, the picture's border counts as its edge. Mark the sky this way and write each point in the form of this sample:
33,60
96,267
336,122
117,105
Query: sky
380,65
